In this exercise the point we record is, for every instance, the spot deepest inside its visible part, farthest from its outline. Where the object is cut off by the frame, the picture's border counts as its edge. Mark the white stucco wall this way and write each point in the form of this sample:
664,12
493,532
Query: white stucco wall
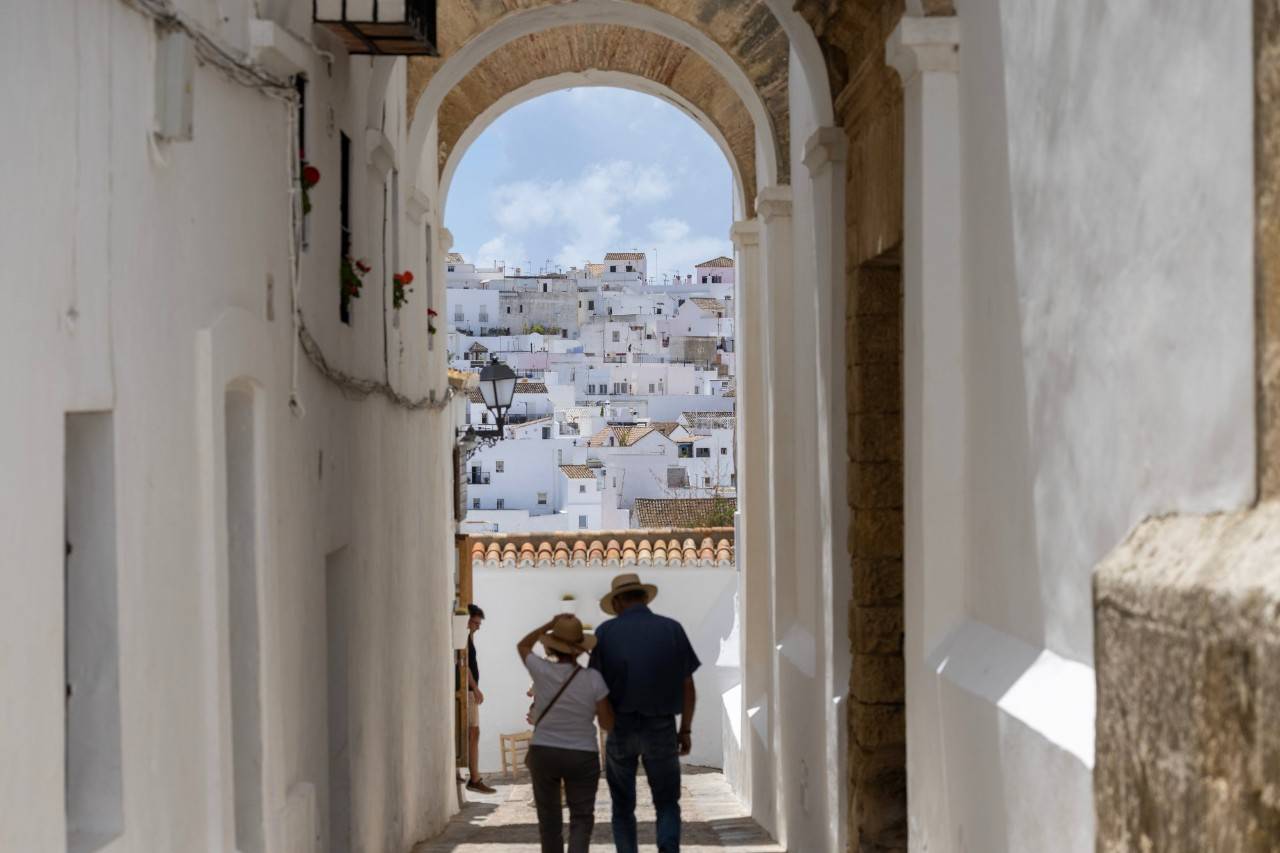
1107,222
517,600
138,284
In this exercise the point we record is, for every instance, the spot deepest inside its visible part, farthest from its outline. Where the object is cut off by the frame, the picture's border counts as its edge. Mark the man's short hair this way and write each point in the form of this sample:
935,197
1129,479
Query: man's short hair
632,595
475,611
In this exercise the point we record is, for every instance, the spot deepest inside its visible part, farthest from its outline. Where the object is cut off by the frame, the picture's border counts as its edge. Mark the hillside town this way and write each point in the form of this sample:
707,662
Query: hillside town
622,414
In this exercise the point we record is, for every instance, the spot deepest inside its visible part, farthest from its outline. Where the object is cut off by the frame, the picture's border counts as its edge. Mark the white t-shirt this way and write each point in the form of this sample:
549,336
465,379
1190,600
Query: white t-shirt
571,723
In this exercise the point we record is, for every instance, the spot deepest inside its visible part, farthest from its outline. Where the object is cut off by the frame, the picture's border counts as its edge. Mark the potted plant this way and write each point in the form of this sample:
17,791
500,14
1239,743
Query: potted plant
400,288
351,277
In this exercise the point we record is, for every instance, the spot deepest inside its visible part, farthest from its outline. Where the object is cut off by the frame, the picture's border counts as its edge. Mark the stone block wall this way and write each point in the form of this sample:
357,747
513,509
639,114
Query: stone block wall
877,713
1187,621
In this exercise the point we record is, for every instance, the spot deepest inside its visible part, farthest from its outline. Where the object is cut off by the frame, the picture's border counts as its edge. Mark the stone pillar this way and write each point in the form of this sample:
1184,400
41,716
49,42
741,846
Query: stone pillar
777,327
755,585
925,53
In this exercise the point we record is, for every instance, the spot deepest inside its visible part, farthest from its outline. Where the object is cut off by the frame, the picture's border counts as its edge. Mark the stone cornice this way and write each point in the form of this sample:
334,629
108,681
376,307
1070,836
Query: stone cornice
921,45
773,203
825,145
745,232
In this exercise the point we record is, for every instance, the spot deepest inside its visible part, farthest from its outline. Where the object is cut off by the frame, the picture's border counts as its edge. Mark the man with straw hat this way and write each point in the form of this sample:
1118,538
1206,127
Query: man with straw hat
648,664
566,701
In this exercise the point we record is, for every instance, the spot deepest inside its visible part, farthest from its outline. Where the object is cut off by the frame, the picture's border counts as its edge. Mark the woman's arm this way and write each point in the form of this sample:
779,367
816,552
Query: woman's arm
604,713
524,648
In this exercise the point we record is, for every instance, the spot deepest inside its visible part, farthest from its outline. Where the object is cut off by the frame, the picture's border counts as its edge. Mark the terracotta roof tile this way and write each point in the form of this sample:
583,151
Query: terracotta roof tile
624,256
578,472
707,420
709,304
681,512
623,436
704,548
721,261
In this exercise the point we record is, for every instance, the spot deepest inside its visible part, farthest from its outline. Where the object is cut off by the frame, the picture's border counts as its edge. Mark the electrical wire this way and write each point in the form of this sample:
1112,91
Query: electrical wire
243,71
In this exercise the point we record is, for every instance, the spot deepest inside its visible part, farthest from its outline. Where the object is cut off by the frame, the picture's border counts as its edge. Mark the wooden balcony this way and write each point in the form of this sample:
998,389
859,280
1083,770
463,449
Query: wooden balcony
381,27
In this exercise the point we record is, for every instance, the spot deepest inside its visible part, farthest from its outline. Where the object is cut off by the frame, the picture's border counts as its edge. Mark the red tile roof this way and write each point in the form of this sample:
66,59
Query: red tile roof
721,261
621,549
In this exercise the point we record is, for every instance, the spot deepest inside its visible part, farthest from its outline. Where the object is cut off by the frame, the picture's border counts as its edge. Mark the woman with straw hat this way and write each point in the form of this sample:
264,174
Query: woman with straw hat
567,699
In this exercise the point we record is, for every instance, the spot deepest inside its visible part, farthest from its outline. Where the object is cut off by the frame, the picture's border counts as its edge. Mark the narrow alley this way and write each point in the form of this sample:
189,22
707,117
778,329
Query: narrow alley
713,820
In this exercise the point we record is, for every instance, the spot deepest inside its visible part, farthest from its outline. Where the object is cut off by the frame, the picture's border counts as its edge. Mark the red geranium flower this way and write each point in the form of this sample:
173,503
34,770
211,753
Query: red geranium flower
362,266
310,176
407,276
431,312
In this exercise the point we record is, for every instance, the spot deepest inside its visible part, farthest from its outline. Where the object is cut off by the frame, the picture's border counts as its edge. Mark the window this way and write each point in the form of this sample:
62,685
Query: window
613,268
522,308
344,218
651,387
508,309
677,478
704,279
630,268
93,786
724,451
706,482
582,488
546,432
703,453
658,310
686,450
715,279
499,466
502,503
544,287
450,267
591,389
475,503
591,305
617,337
458,316
582,522
484,417
542,498
484,315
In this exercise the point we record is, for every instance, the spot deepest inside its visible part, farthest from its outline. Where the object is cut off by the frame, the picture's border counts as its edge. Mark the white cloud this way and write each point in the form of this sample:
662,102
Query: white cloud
678,249
585,212
500,249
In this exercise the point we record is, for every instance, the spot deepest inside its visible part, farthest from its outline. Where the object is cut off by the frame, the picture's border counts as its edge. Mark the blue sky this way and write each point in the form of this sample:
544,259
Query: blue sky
574,174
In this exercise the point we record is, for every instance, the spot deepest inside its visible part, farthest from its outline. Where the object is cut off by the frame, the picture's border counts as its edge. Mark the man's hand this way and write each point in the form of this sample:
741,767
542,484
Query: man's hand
685,739
479,696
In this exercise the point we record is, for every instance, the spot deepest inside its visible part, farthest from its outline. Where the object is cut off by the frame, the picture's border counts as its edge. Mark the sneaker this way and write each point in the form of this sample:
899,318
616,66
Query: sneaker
480,787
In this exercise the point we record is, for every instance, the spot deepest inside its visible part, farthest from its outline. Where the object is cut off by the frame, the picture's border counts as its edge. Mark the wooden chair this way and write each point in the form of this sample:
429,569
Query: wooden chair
514,747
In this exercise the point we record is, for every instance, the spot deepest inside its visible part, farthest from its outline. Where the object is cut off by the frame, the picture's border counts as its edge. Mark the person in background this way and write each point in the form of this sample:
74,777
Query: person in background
567,700
648,665
475,784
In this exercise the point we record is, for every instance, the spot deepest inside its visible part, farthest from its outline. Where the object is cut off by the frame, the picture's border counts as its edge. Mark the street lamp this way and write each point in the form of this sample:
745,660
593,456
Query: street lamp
498,387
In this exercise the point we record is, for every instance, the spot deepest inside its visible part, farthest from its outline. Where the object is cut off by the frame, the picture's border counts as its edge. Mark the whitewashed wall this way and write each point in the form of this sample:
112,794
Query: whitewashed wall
1107,221
517,600
137,283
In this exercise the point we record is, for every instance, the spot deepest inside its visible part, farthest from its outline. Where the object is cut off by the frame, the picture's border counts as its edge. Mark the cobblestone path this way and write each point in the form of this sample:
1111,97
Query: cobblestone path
713,820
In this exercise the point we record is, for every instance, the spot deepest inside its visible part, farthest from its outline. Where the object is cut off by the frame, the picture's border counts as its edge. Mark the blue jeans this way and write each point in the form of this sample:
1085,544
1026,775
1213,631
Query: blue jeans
653,739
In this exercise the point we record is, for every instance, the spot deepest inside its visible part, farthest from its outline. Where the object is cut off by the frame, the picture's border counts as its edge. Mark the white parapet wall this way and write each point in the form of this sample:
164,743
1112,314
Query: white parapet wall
517,600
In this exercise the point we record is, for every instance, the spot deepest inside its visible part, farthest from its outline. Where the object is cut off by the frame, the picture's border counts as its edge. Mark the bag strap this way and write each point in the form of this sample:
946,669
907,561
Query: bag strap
563,687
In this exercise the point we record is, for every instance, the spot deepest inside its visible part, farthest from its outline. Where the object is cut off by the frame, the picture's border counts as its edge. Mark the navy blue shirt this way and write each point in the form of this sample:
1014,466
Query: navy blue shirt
644,659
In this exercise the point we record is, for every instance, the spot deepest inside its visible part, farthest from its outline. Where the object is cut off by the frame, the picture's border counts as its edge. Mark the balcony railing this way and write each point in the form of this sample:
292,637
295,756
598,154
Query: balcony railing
478,478
392,27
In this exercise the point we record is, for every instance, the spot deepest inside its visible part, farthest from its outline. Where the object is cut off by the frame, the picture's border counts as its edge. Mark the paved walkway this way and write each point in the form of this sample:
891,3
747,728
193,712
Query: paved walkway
505,821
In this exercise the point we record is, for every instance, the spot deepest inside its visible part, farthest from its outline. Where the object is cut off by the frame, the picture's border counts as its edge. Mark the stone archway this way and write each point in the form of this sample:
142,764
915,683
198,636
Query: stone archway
671,70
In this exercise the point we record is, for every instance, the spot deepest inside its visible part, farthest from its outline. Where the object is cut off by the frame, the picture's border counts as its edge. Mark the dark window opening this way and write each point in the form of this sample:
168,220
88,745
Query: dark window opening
344,217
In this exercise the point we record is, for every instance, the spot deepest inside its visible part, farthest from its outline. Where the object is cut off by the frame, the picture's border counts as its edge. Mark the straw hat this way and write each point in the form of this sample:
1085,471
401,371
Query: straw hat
567,636
623,584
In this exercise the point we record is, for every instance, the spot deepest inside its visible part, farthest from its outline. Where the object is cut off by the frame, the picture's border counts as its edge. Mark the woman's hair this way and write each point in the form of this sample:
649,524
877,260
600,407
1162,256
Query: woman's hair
564,656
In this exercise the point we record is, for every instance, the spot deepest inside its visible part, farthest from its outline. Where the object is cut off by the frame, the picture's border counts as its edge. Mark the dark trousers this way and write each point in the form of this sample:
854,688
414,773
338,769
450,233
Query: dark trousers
580,772
653,740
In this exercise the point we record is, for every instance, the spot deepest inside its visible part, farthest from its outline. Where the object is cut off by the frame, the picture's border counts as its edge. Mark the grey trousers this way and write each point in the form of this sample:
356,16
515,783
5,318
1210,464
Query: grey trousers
580,772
